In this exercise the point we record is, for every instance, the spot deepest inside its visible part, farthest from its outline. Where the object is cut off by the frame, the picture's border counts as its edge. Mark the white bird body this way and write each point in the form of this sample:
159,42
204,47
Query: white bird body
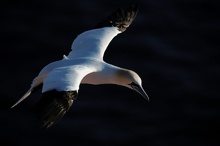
84,65
73,69
77,71
80,61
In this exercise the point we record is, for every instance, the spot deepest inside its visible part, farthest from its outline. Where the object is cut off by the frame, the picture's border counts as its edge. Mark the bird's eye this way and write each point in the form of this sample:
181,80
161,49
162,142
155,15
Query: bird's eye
133,85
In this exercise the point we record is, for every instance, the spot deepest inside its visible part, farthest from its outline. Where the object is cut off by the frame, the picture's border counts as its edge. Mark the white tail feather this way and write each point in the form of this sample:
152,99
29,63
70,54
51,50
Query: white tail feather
23,97
37,81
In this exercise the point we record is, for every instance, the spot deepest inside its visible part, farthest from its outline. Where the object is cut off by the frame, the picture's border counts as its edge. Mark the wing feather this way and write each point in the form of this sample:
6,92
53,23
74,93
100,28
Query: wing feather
92,43
53,105
120,18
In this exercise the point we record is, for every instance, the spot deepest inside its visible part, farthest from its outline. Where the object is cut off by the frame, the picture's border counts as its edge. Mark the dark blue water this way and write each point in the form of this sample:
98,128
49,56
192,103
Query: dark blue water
172,45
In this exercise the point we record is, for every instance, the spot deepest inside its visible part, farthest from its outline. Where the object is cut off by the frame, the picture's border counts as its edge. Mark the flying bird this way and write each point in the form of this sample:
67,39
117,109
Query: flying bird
60,80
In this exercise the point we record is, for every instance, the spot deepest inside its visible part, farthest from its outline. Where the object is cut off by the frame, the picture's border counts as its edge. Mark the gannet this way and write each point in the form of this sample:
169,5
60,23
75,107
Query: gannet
60,80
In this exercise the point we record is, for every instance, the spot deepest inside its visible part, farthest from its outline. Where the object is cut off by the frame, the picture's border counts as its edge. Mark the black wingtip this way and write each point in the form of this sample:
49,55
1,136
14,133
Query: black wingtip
120,18
53,105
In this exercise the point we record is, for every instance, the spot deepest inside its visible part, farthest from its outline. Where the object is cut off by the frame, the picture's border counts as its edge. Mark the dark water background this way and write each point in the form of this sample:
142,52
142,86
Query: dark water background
172,45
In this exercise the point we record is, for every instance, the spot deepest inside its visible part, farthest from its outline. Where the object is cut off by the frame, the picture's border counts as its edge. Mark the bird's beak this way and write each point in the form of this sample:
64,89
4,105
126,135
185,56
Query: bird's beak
140,90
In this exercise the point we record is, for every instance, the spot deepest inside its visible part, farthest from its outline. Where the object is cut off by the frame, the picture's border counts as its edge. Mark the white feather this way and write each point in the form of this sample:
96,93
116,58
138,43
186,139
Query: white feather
66,78
93,43
37,81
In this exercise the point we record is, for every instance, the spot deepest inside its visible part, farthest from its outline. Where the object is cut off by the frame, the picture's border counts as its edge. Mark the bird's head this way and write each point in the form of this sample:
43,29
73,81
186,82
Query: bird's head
130,79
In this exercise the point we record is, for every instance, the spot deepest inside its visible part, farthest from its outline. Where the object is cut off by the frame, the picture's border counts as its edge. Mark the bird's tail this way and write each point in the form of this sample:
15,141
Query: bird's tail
37,82
23,97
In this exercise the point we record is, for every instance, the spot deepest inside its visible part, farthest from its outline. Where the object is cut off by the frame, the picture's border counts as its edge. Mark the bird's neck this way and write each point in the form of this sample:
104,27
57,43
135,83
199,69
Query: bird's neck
109,75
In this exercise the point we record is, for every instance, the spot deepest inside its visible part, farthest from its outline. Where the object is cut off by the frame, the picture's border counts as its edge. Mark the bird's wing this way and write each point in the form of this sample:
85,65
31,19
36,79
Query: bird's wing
93,43
60,89
38,81
53,105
